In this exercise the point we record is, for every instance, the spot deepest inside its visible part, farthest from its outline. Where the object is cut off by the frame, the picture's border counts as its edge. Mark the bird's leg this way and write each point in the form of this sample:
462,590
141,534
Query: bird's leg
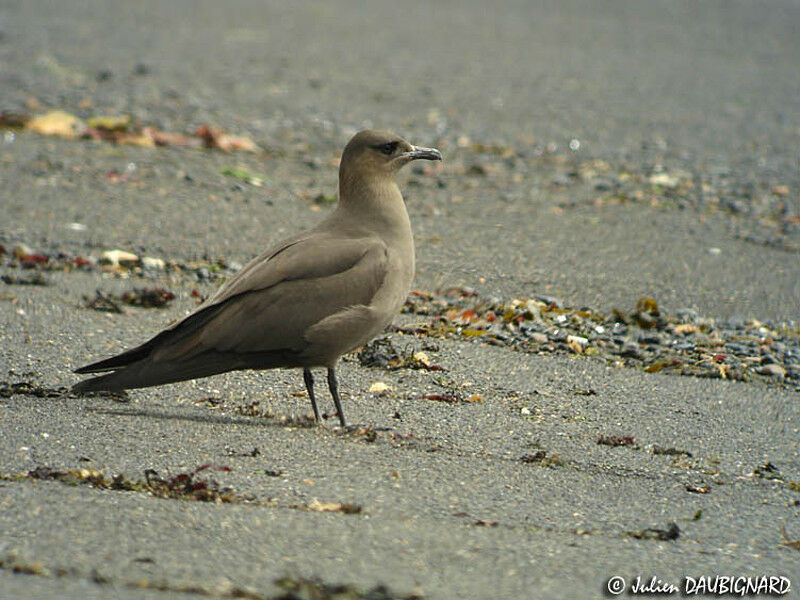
309,379
334,388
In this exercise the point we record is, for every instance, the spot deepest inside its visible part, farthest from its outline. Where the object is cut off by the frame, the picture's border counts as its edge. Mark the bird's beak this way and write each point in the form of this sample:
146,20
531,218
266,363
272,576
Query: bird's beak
424,153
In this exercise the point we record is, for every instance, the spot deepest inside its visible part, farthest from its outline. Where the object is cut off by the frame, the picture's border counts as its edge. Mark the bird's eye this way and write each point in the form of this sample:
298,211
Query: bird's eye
389,148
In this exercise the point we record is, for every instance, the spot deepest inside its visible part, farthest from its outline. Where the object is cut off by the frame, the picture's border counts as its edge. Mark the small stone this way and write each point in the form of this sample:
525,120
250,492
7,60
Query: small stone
379,387
422,358
477,169
664,180
686,328
525,411
21,250
550,300
631,351
119,258
736,206
737,349
772,370
538,337
780,190
561,181
603,185
153,264
576,339
768,359
649,339
684,346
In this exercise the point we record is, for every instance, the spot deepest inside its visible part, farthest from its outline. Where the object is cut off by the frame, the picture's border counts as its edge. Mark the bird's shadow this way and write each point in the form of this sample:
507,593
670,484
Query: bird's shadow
367,432
282,421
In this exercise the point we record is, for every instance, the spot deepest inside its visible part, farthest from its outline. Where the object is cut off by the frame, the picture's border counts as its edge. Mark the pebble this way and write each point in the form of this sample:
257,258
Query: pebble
538,337
603,185
664,180
631,350
379,387
737,349
687,315
577,339
772,370
550,300
649,338
684,346
21,250
768,359
736,206
153,264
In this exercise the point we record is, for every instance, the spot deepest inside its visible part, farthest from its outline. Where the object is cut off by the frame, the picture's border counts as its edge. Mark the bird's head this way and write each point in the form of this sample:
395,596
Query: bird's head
380,154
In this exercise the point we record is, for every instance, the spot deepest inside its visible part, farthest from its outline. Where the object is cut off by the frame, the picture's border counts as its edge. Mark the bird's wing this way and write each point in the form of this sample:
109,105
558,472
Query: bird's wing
306,256
274,302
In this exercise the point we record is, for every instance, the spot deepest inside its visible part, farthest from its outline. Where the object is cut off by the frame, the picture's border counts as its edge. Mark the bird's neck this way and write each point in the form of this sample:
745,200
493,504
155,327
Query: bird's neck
377,202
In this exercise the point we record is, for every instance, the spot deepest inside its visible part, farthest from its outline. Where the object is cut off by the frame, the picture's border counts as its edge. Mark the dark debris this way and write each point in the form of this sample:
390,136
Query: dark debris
382,353
672,533
155,297
183,486
542,459
32,279
29,388
616,440
316,589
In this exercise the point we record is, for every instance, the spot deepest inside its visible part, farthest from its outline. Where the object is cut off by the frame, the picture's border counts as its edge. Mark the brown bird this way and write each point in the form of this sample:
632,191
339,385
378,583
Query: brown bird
304,302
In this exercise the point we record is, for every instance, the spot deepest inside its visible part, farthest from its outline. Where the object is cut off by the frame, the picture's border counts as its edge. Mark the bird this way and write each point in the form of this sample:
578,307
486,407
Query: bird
307,300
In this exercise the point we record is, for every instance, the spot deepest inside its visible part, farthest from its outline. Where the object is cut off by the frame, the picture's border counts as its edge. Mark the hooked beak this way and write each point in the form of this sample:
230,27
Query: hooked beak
424,153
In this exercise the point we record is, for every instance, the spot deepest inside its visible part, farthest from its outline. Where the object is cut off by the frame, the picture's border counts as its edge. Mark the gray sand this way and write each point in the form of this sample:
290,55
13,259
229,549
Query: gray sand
709,89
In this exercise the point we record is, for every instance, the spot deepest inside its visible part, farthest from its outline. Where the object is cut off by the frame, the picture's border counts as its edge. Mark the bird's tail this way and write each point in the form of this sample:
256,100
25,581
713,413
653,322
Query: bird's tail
147,373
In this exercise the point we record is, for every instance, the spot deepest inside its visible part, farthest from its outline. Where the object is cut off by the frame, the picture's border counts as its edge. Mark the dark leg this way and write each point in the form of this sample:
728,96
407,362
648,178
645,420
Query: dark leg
309,379
334,388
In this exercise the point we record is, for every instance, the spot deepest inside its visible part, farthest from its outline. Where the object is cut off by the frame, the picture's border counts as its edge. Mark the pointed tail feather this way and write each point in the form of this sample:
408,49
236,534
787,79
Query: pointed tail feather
118,361
147,373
